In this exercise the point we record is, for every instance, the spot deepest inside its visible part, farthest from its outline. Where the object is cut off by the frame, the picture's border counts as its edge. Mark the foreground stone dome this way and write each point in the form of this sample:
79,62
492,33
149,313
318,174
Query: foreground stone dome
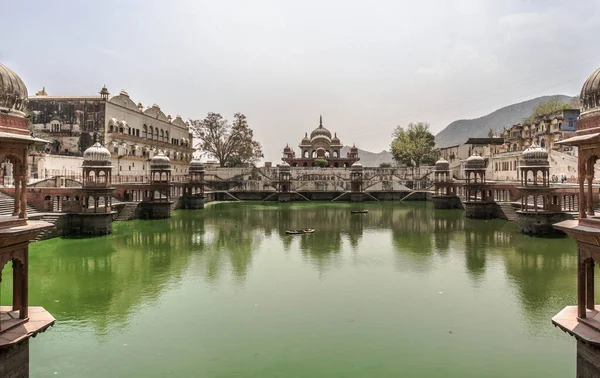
284,166
13,92
590,92
96,153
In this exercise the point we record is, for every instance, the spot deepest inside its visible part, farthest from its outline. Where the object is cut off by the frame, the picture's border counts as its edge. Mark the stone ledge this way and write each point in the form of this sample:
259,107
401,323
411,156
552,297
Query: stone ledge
39,320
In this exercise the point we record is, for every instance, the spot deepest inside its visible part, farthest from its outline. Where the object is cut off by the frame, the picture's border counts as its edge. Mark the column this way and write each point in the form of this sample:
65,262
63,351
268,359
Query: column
581,178
589,273
590,178
17,202
580,287
23,199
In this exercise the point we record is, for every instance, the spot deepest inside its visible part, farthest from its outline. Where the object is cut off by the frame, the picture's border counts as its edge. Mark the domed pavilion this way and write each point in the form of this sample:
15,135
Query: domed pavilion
540,208
445,196
583,320
193,188
479,199
157,201
94,215
18,322
320,145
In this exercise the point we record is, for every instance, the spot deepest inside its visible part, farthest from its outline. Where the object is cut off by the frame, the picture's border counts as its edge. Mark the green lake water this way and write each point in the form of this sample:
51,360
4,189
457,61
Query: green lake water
403,291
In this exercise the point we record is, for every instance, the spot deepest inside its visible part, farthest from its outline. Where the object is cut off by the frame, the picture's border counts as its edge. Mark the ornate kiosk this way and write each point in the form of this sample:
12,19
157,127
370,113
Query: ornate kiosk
193,190
18,322
540,209
445,196
284,182
94,216
479,199
356,182
157,200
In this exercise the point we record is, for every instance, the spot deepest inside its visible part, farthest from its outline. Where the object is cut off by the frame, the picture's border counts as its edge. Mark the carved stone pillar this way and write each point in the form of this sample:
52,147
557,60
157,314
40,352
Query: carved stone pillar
23,199
17,202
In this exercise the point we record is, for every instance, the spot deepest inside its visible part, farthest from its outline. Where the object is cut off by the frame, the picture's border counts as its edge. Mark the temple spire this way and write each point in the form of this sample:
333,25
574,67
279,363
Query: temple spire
321,121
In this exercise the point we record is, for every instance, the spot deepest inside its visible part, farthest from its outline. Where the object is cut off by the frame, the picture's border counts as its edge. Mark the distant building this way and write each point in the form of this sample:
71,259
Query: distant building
544,131
320,145
133,134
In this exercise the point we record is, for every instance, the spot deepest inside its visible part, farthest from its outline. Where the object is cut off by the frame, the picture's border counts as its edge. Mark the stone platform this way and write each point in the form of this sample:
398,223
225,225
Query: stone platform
540,223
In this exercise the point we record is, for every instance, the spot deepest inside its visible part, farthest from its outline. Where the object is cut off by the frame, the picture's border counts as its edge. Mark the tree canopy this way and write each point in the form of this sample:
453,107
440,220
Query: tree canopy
414,145
551,105
232,144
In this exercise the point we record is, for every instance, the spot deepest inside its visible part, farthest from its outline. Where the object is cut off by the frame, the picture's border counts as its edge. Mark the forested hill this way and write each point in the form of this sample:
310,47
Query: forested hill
459,131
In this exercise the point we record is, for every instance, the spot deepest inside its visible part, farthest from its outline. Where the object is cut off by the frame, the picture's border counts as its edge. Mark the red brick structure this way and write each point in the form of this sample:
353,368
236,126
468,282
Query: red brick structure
320,145
583,320
18,322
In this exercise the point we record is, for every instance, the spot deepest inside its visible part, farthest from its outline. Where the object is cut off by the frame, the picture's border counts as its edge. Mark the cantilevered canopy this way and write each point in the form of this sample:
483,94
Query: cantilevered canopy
579,139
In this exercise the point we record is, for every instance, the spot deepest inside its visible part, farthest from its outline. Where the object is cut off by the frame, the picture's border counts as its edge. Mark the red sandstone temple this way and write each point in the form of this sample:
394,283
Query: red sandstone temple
320,145
18,322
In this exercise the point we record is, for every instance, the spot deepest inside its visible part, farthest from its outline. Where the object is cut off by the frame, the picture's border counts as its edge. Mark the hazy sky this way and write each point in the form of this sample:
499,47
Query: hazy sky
366,66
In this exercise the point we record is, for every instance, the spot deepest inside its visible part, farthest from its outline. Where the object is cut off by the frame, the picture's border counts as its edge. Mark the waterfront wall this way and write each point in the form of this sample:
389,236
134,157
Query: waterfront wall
14,361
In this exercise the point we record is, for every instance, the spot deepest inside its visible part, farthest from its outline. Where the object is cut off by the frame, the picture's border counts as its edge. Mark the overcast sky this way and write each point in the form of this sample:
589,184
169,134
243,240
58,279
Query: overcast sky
366,66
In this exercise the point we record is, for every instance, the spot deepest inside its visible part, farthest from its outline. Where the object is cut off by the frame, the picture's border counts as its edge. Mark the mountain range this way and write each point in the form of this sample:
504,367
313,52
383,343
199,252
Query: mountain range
370,159
459,131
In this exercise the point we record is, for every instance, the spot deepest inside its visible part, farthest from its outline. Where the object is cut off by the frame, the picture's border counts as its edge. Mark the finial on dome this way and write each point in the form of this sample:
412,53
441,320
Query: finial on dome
104,92
321,121
42,92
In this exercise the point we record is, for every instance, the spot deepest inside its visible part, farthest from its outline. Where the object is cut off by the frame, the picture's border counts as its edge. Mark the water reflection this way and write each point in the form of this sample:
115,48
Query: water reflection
102,281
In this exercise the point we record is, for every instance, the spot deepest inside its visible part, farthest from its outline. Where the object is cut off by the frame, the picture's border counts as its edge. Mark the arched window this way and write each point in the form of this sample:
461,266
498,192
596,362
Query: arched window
145,131
151,132
336,154
314,154
305,155
162,134
167,136
156,133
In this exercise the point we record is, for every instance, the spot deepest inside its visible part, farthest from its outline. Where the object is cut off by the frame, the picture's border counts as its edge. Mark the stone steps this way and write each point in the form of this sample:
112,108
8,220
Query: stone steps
127,213
507,211
7,206
58,220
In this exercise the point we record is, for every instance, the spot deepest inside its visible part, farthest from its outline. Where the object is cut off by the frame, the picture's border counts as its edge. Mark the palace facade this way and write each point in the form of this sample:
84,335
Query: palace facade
320,145
545,131
131,132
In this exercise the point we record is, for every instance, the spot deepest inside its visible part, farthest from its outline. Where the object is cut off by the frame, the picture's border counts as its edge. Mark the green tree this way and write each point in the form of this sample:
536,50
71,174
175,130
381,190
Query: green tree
385,165
491,133
231,144
551,105
320,162
413,146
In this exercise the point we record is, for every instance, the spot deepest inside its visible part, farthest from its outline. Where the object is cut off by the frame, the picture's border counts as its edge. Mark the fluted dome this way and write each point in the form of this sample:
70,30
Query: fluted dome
357,166
320,132
475,162
335,140
196,165
96,154
590,92
155,112
123,100
287,149
305,141
354,148
442,165
535,155
160,161
13,92
284,166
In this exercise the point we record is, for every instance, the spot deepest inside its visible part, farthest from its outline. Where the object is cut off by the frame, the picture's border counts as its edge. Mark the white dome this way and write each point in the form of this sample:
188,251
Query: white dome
356,166
284,166
475,162
535,152
442,165
160,161
196,165
96,153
